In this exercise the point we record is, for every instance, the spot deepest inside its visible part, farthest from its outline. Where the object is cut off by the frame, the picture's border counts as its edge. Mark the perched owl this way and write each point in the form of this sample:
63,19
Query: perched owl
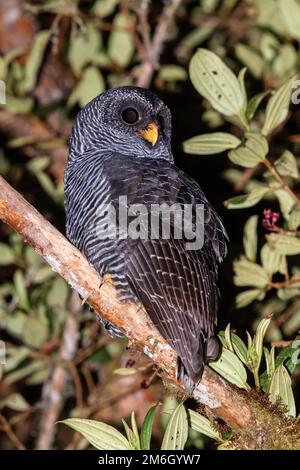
120,150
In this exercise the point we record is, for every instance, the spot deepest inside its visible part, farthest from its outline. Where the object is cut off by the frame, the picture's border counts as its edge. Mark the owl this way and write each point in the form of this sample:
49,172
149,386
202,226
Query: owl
120,173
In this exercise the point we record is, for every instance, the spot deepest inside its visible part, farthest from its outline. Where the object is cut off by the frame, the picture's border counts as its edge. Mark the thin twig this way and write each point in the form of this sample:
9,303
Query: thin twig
53,390
6,427
154,48
281,181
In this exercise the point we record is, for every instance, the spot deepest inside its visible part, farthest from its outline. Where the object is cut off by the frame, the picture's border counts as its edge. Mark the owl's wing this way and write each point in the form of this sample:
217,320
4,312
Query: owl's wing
177,287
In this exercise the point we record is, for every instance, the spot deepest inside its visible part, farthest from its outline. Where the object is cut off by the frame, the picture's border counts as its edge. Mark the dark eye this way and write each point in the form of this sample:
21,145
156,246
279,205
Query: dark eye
130,115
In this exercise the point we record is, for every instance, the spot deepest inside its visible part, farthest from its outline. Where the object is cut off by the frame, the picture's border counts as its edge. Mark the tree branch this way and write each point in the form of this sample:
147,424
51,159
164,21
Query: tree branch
154,48
257,424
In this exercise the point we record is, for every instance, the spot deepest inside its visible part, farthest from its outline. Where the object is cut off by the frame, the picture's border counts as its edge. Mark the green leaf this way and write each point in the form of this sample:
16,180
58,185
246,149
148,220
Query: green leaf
34,60
7,255
272,261
278,107
35,332
239,347
294,219
252,152
146,430
281,387
290,11
176,433
15,402
104,8
120,44
39,377
90,85
217,83
58,294
248,296
15,356
248,273
251,59
259,338
19,105
21,290
227,338
37,165
286,202
287,165
254,104
135,431
201,424
284,244
231,368
125,371
84,47
241,79
289,356
209,144
250,238
270,361
246,200
102,436
172,73
25,371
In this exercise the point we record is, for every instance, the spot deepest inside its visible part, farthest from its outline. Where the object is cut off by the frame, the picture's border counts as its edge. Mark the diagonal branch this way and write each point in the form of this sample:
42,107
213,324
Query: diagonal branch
248,415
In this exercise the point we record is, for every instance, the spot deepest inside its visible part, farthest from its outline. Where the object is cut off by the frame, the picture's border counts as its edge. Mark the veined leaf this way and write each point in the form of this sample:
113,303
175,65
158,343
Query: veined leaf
290,11
250,237
246,200
259,338
201,424
248,296
248,273
254,103
284,244
100,435
278,107
286,165
231,368
252,152
272,261
294,219
217,83
176,433
281,387
286,202
209,144
146,431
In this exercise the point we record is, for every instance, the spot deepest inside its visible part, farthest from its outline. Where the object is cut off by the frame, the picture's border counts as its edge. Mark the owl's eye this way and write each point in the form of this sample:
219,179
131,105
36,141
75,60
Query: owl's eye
130,115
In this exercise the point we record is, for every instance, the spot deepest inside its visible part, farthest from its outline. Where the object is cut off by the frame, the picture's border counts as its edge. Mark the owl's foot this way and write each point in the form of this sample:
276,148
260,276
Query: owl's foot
112,330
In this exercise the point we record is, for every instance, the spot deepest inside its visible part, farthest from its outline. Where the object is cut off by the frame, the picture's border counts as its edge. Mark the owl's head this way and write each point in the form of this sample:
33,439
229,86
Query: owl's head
127,120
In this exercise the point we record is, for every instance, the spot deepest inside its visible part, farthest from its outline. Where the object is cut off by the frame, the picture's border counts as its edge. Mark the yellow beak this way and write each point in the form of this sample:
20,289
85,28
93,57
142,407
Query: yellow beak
150,133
